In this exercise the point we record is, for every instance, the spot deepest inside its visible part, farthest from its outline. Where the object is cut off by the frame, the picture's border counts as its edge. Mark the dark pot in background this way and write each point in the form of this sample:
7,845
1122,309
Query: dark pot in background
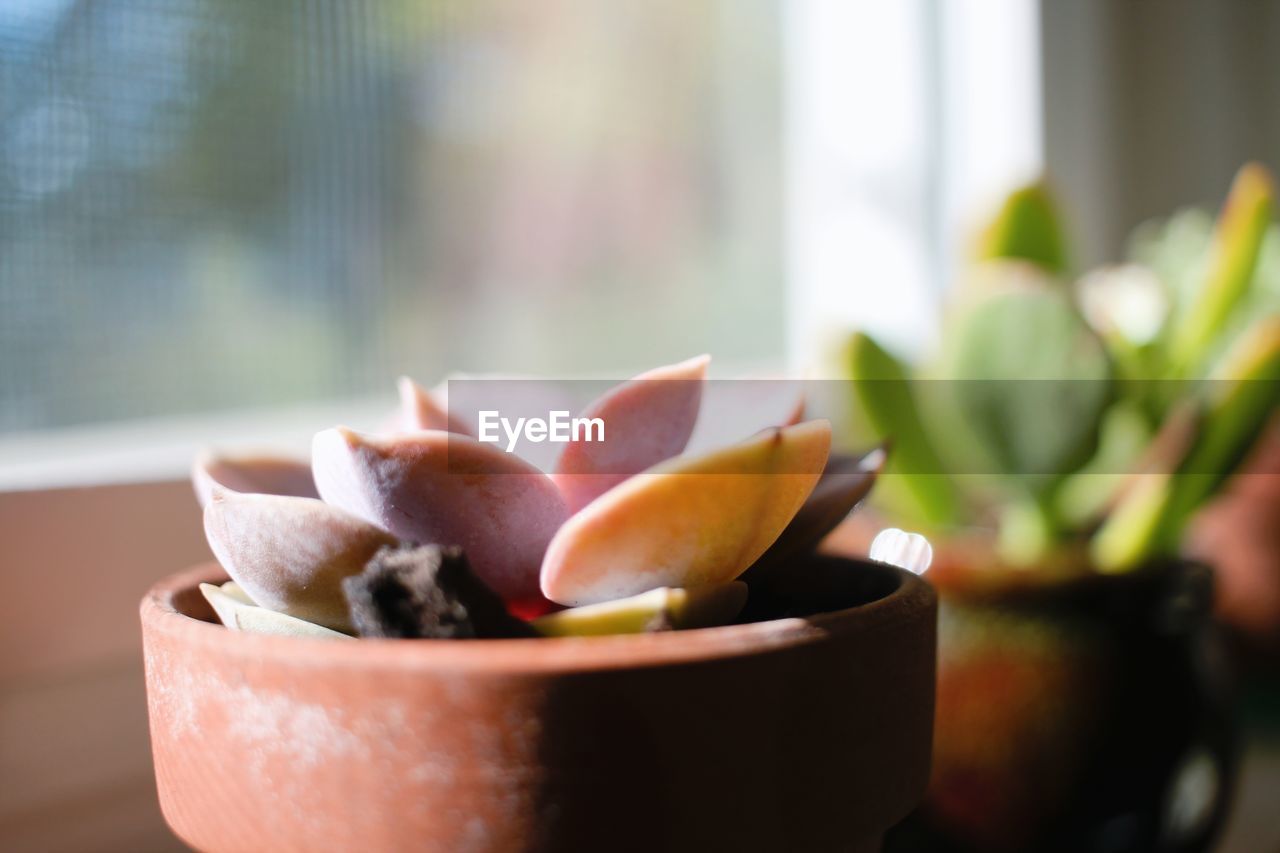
793,734
1082,714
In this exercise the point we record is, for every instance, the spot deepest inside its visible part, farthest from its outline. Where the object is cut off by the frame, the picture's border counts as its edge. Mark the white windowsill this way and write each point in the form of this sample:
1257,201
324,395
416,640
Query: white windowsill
162,448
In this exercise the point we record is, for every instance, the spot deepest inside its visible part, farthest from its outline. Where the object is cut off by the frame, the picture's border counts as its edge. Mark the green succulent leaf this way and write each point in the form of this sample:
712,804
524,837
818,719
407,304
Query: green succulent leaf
1033,383
1237,244
238,612
1028,228
1150,519
1025,532
914,477
1130,534
1243,397
1084,497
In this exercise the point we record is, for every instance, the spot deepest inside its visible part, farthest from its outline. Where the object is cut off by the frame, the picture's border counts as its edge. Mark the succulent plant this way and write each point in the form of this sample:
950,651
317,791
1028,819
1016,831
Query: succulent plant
1104,410
609,525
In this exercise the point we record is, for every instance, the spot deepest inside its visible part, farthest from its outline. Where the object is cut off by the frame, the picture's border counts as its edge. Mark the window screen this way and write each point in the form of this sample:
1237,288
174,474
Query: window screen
207,204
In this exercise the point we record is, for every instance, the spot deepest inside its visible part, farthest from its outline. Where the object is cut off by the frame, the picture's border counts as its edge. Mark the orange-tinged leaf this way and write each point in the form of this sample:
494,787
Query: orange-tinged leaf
689,522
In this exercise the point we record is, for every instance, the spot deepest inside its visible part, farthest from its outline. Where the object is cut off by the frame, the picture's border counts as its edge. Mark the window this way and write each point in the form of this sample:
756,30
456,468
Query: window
213,204
906,122
216,205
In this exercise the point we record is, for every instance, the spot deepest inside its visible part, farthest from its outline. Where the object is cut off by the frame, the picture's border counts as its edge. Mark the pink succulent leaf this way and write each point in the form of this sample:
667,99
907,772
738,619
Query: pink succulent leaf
844,483
261,473
733,409
442,488
290,554
688,522
646,420
421,409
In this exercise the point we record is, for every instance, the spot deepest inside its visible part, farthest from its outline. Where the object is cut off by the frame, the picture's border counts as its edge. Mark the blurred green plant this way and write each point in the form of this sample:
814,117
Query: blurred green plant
1027,227
1102,410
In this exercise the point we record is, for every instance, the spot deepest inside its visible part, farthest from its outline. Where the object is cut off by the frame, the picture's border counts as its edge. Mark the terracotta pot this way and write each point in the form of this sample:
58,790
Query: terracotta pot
795,734
1076,712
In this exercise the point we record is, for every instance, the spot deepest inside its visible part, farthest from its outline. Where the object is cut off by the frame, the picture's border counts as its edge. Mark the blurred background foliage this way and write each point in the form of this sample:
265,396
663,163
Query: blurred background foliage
1106,408
225,203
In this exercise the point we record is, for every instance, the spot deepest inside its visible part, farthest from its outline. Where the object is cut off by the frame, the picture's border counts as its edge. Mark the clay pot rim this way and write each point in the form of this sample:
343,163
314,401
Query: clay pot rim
162,611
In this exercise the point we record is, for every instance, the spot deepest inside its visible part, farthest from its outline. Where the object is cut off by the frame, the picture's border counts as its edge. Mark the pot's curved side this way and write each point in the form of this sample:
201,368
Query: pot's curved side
1067,709
782,736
